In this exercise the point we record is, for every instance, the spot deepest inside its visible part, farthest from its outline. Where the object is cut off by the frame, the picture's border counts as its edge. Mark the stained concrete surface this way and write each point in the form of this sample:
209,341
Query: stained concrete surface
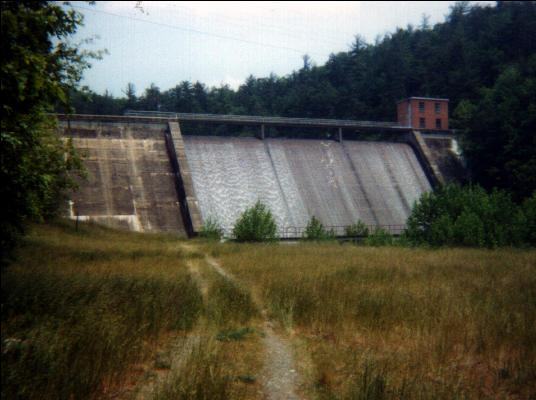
445,154
131,182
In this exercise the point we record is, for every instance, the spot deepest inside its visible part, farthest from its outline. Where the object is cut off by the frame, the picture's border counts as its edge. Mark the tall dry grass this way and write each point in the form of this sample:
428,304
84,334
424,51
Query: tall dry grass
401,323
80,306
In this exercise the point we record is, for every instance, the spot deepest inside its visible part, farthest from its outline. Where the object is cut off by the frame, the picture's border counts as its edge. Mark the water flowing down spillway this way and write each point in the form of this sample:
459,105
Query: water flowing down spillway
376,182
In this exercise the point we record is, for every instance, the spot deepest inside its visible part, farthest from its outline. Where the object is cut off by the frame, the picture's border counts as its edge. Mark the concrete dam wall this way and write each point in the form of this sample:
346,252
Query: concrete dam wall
131,182
146,176
338,183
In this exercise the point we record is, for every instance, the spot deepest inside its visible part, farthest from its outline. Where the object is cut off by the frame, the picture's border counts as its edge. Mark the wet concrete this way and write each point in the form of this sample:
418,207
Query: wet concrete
338,183
446,154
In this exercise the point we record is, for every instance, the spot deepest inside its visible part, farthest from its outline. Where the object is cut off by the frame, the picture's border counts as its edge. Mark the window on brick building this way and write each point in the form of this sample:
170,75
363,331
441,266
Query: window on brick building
438,123
421,106
437,107
421,123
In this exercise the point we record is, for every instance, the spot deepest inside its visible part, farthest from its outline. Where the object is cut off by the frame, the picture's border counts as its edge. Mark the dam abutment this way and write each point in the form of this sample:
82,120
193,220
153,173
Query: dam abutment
417,142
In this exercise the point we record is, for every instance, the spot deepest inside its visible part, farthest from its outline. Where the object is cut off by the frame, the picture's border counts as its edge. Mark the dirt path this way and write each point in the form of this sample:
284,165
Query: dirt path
279,376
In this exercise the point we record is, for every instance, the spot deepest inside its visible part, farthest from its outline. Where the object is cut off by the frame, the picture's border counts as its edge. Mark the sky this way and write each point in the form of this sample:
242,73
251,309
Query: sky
222,43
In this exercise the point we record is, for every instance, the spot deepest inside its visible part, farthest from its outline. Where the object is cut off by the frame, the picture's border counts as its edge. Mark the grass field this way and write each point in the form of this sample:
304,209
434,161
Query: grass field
401,323
98,313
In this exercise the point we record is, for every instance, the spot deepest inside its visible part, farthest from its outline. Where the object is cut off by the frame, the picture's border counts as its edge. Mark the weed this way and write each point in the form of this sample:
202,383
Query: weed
416,323
246,378
202,377
77,312
211,230
229,303
233,334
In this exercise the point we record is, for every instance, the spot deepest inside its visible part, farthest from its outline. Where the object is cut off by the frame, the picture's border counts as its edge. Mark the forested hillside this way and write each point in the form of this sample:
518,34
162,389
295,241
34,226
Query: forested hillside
482,58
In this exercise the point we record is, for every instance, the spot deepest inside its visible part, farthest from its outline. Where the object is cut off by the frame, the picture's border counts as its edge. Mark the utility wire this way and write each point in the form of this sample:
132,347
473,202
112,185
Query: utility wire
197,31
333,41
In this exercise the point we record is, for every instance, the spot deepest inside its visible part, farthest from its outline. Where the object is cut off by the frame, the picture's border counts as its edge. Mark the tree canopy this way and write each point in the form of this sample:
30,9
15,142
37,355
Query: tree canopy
38,70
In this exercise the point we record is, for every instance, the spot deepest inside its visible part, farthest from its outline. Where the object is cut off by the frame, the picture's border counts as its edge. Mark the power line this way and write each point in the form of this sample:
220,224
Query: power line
333,41
197,31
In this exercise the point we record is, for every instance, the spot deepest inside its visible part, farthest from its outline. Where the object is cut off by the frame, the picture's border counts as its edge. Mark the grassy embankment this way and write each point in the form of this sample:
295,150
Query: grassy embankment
98,313
386,323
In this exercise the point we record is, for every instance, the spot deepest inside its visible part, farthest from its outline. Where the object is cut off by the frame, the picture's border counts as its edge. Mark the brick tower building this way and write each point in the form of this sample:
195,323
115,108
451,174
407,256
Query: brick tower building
423,113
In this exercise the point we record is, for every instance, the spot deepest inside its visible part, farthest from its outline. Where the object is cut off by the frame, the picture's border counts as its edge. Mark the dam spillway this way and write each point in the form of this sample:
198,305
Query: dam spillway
146,176
338,183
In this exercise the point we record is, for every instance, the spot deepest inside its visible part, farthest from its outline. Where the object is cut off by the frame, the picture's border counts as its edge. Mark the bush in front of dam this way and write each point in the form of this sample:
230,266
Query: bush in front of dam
469,216
315,231
255,225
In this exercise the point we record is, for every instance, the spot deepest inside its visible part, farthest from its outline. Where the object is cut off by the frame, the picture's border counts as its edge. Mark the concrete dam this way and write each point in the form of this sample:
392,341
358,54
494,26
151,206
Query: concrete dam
145,175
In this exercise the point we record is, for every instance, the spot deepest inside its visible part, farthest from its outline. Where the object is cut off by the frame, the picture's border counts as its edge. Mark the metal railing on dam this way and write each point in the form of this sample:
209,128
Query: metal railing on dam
269,121
299,232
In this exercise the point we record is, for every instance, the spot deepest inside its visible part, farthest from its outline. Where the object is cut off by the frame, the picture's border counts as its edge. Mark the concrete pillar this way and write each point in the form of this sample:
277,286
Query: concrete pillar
262,132
187,198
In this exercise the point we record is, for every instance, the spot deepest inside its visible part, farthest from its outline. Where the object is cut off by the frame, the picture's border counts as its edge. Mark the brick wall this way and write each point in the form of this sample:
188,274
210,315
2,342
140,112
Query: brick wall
425,113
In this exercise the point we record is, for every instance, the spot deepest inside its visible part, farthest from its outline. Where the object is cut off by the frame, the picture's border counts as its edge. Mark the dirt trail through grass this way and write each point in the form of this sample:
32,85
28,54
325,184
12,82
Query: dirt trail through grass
279,377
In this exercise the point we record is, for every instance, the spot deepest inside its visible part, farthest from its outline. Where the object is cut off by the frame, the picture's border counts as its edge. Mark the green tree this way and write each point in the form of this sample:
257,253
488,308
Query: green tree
315,230
38,70
499,139
130,92
152,99
469,216
256,224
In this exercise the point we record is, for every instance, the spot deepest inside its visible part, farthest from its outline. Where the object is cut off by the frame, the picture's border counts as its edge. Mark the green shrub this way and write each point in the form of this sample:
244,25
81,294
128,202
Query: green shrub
315,231
469,216
359,229
255,225
211,230
380,237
